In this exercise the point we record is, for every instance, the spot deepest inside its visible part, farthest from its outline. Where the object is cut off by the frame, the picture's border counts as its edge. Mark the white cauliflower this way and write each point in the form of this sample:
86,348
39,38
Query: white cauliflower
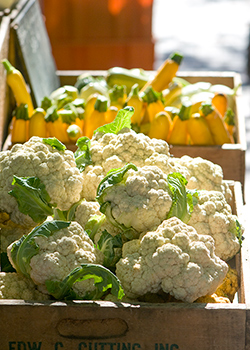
55,168
16,286
141,200
58,253
203,174
174,259
111,151
212,215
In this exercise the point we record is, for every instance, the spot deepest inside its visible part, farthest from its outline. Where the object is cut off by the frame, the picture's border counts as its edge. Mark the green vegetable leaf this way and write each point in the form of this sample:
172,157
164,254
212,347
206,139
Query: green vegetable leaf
122,120
106,244
32,197
103,278
239,232
83,154
113,177
183,200
25,248
55,143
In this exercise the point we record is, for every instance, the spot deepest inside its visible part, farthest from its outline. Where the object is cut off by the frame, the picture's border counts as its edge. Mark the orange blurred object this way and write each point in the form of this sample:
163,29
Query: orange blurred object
115,6
145,3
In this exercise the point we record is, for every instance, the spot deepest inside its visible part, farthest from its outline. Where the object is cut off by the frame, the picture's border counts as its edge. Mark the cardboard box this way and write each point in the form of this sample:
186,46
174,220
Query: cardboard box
100,325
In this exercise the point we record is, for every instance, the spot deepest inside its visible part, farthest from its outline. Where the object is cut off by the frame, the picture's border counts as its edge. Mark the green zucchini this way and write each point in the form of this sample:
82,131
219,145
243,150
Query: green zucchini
127,77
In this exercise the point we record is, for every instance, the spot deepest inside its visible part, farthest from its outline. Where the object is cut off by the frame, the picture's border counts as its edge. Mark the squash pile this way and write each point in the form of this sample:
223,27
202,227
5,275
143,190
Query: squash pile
165,106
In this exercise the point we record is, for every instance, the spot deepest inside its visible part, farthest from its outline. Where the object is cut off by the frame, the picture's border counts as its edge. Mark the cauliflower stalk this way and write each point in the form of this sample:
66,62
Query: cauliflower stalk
173,258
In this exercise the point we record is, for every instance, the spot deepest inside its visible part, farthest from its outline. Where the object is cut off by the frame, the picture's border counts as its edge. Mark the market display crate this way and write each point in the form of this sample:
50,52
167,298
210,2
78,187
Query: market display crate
104,325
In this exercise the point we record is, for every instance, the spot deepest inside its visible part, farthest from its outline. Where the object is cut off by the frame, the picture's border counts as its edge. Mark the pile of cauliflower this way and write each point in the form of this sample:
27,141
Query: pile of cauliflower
159,257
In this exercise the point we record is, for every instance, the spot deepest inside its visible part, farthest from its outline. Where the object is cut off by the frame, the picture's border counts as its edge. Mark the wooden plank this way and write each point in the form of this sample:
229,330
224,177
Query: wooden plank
33,50
72,325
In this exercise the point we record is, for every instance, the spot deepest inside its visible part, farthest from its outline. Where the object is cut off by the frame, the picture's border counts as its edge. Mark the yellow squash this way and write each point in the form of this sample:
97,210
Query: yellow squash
97,117
153,104
179,134
20,124
111,114
216,124
165,73
199,131
134,100
16,82
220,103
37,124
160,126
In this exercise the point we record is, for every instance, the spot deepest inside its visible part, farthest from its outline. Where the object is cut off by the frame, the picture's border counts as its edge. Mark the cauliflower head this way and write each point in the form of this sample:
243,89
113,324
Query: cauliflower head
204,175
174,259
16,286
141,200
57,255
112,151
55,168
212,215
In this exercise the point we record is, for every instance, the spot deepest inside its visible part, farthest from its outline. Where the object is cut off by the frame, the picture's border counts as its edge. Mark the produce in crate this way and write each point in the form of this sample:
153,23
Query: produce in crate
73,105
102,164
104,171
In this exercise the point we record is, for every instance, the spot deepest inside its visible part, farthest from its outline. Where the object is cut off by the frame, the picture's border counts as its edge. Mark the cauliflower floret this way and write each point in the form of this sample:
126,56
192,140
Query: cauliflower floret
142,201
173,258
204,175
56,169
212,215
85,210
112,151
16,286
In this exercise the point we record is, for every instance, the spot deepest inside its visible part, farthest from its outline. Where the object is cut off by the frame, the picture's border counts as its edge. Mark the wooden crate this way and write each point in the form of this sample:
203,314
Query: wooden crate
100,325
